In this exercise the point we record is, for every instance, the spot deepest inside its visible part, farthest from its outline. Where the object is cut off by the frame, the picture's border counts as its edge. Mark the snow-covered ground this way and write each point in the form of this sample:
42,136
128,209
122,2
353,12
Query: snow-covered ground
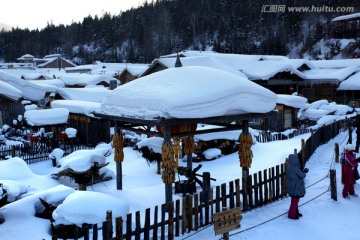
323,217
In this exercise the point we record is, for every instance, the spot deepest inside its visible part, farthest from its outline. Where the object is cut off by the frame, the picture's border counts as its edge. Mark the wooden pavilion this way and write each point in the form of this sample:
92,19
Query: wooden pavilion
225,104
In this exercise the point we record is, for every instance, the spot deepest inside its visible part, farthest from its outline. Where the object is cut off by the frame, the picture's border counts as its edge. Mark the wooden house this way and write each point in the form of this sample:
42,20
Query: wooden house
53,61
10,106
132,72
346,26
349,91
277,76
90,130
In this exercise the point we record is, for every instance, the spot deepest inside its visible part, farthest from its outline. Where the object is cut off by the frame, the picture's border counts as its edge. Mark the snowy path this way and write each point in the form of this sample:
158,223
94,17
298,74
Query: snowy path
323,217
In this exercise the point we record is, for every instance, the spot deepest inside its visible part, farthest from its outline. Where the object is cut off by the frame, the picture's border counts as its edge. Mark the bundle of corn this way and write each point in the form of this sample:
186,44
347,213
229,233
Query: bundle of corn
245,152
168,165
177,149
118,145
189,144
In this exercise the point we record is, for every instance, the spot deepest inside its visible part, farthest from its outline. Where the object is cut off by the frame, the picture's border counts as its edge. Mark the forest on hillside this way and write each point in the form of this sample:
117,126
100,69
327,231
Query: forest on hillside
162,27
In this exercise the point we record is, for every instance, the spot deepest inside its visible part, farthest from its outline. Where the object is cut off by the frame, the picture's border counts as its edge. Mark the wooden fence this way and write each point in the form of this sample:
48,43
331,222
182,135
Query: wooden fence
267,136
195,211
36,152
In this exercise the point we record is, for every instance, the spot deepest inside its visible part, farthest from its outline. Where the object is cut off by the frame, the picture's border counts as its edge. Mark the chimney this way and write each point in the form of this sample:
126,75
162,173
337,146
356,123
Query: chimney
178,62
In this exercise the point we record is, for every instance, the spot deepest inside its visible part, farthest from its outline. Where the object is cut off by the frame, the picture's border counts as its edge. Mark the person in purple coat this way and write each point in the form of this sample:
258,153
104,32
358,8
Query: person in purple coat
349,166
296,185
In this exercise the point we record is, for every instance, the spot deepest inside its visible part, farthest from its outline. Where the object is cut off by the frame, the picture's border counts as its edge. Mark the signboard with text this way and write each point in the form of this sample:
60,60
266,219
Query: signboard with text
227,220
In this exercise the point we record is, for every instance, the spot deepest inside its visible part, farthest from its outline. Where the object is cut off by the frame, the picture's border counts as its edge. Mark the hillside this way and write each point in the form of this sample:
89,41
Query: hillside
166,26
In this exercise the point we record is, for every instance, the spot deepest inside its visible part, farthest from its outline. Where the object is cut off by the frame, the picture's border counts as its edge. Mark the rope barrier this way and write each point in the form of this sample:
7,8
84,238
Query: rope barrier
312,199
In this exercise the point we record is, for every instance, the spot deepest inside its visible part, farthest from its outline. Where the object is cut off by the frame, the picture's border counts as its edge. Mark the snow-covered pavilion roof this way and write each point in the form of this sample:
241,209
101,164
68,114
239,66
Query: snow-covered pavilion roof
9,91
188,92
264,70
89,94
77,107
352,83
30,90
46,116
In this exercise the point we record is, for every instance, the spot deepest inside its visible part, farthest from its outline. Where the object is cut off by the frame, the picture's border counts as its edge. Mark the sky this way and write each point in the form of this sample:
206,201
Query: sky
38,13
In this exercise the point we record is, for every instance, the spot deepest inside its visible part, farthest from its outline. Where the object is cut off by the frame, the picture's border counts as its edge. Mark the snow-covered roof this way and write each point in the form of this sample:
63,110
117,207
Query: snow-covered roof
188,92
136,69
264,70
297,63
90,94
36,75
336,63
72,79
345,17
78,107
30,90
53,82
46,116
9,91
237,61
292,100
352,83
331,74
26,57
201,61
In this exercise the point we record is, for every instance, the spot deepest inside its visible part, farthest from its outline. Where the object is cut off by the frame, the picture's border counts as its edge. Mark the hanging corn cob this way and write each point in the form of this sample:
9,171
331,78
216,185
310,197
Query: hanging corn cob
168,165
177,149
189,144
245,152
118,145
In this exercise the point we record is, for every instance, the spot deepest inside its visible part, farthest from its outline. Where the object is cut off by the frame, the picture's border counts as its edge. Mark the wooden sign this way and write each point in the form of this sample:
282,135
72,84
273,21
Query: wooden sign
227,220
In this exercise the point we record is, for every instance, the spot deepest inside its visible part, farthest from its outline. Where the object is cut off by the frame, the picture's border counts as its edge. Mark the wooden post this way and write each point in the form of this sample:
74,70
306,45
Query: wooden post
118,176
118,167
350,131
189,161
333,184
206,191
13,151
109,220
245,171
225,235
337,152
168,187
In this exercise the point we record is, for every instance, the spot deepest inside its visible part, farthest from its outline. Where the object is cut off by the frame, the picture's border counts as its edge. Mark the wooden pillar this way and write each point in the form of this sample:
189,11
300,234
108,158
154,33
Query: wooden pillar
189,161
119,182
245,170
350,130
168,186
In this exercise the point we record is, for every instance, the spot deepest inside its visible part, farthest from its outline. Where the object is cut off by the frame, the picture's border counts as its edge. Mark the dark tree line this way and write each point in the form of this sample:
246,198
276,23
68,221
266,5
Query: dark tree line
166,26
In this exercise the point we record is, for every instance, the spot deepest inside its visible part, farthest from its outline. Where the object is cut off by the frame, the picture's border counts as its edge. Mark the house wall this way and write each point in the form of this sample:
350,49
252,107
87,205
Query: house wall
126,77
90,131
9,110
